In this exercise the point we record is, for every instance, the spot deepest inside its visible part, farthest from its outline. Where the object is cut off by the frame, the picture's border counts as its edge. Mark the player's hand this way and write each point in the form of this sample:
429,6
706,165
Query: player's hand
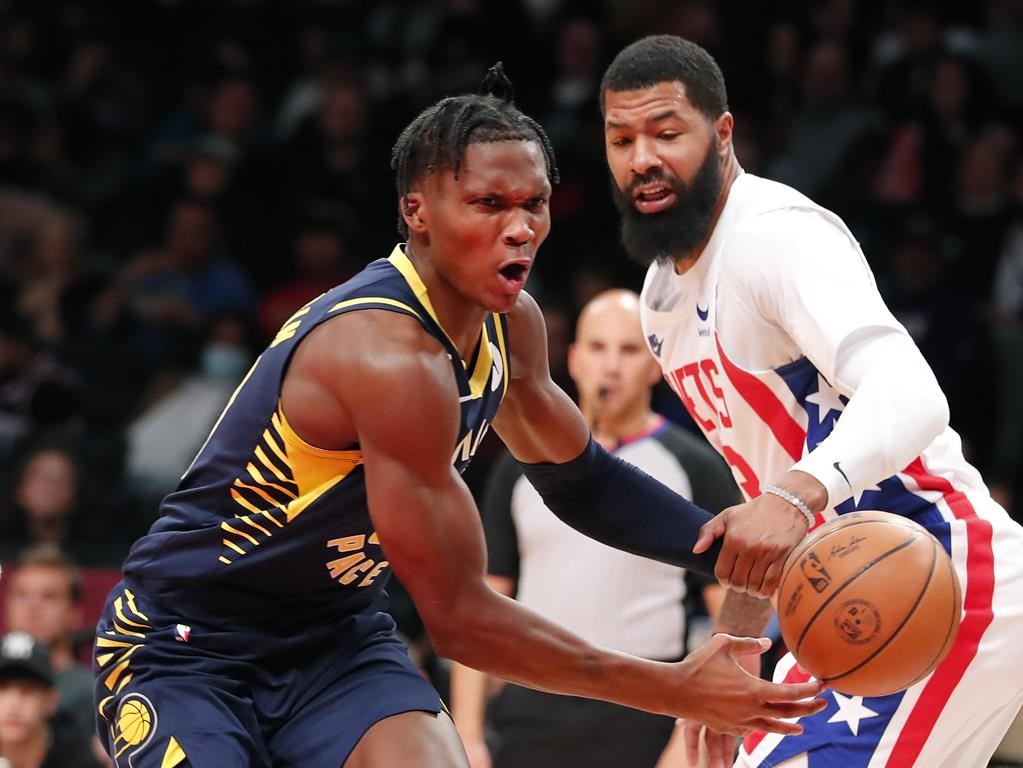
759,535
477,752
723,696
720,746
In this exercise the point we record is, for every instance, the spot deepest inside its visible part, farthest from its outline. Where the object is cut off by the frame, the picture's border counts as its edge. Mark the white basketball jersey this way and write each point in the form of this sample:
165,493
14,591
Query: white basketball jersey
749,384
749,338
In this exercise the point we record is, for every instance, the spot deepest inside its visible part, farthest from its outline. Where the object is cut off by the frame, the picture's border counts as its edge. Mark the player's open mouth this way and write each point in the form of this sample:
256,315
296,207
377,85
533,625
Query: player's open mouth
515,273
654,199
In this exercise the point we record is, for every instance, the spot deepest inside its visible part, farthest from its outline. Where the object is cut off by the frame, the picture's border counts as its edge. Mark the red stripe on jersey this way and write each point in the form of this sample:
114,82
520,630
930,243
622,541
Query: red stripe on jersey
795,675
767,406
980,586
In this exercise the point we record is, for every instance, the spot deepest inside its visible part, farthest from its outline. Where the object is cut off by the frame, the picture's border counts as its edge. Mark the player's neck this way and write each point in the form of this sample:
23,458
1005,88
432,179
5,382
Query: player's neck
460,317
686,261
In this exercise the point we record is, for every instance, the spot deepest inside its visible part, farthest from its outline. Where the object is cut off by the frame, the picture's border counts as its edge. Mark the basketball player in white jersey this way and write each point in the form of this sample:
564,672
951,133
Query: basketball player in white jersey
766,321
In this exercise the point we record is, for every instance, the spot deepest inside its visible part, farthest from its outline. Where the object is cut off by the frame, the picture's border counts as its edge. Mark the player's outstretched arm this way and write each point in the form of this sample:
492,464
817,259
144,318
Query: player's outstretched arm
469,696
430,531
599,494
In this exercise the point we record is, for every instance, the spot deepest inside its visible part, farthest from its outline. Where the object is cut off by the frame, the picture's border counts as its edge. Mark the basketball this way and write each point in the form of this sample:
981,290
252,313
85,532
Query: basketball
869,603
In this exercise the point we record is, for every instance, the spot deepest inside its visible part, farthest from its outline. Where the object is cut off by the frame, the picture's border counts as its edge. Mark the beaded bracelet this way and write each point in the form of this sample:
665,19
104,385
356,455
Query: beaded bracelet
795,501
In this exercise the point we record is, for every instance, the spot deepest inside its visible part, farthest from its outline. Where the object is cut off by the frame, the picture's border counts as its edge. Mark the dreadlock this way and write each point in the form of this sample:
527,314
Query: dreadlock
436,140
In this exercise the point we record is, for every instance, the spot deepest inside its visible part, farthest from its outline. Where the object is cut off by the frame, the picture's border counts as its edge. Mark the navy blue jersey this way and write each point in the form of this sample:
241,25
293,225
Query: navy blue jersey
266,530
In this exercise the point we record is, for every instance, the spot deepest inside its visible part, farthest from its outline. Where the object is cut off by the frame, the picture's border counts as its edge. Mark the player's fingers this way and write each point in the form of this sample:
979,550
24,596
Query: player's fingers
772,578
747,646
691,732
716,745
796,708
755,579
782,692
725,564
773,725
709,531
745,562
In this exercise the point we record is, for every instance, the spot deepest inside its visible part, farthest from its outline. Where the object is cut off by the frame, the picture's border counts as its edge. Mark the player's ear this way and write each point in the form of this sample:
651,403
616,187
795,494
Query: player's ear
413,212
723,128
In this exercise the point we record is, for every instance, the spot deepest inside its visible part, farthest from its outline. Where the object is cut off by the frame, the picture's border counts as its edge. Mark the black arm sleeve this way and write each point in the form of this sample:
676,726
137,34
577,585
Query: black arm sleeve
498,523
712,485
613,502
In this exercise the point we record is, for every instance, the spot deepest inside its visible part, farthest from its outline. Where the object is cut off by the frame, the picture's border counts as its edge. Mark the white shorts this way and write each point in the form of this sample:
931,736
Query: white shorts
954,718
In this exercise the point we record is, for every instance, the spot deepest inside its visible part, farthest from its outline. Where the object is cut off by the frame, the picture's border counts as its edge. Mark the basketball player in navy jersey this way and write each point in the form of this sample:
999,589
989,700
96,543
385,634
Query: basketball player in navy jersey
249,629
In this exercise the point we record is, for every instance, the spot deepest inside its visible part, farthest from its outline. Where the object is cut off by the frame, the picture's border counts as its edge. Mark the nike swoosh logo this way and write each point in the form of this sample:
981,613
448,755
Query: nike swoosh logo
844,477
703,314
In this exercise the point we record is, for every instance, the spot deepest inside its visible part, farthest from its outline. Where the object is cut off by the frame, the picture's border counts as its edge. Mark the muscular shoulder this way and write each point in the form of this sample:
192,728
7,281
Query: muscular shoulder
366,360
372,338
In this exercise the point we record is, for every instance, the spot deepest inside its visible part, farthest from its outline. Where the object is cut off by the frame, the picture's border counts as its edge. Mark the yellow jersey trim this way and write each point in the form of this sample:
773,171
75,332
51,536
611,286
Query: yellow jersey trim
292,440
498,321
484,360
380,300
174,755
401,262
484,363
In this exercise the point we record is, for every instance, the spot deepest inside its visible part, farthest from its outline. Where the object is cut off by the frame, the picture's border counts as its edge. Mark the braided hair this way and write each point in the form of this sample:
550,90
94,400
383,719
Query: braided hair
436,140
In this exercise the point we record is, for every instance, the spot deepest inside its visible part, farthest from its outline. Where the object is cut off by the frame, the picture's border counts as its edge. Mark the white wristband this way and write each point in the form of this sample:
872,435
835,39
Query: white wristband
795,501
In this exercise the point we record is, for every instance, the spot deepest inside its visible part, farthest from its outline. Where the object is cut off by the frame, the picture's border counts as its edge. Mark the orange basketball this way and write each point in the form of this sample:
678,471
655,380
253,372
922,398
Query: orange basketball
869,603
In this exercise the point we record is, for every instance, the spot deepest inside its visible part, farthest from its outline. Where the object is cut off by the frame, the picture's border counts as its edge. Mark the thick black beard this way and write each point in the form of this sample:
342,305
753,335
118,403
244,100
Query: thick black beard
650,237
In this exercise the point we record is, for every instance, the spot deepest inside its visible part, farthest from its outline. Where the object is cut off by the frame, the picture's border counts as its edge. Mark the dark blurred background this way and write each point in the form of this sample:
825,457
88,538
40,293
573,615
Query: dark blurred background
177,177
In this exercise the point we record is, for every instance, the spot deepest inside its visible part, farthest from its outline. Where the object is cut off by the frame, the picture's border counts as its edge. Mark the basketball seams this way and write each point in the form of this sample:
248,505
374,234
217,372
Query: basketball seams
801,548
905,644
895,633
953,627
852,578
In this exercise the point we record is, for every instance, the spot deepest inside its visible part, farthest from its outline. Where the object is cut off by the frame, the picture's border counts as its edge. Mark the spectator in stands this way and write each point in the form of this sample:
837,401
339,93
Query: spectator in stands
828,124
321,261
172,291
183,404
905,56
43,597
37,391
923,152
982,212
55,274
332,159
50,504
1008,338
30,736
944,323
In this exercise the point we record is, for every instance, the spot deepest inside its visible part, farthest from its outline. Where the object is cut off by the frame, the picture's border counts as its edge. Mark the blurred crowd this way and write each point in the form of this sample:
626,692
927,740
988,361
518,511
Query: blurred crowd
177,177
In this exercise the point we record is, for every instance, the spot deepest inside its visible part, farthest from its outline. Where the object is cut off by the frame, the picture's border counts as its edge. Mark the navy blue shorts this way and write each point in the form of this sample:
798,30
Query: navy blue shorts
171,695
